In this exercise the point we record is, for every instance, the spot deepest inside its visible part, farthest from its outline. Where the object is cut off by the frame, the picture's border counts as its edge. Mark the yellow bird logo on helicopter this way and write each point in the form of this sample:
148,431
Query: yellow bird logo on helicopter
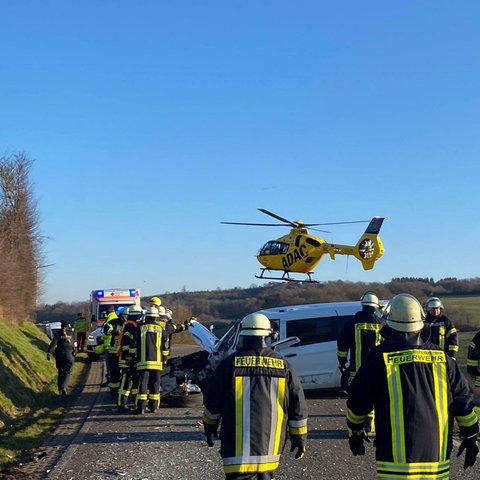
300,252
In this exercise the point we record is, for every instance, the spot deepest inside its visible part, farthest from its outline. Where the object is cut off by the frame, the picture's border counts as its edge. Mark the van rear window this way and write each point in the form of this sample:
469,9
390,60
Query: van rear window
316,330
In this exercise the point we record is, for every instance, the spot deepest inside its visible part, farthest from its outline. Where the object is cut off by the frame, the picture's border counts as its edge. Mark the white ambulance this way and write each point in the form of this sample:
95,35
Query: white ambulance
102,300
100,303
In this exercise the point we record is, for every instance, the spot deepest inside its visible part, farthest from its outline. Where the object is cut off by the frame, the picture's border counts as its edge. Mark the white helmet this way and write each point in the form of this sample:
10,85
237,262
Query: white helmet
151,312
370,299
162,311
169,314
434,302
404,313
134,311
256,325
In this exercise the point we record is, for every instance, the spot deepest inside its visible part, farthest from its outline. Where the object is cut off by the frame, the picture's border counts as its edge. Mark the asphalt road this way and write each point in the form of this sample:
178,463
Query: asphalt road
169,445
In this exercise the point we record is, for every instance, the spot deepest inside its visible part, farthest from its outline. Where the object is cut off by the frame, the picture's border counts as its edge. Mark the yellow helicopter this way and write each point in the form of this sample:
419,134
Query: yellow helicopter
300,252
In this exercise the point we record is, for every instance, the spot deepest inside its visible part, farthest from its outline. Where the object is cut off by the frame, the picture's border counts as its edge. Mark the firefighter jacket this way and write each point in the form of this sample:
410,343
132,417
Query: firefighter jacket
170,329
111,333
106,337
150,344
256,395
443,333
473,358
416,391
127,347
359,335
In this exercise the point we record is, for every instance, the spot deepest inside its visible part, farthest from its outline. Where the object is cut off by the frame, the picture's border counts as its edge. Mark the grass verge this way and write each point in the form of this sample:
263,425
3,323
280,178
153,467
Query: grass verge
30,407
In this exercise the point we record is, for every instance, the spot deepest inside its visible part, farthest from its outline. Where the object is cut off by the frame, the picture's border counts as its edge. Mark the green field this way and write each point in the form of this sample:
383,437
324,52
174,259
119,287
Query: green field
464,311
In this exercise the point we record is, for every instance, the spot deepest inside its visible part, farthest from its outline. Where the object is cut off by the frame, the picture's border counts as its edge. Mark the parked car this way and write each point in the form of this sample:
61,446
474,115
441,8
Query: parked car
306,335
93,340
51,328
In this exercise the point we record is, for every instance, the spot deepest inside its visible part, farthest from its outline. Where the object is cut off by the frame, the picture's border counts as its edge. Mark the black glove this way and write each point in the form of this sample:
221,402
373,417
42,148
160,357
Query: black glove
210,431
188,323
356,442
48,356
299,445
470,445
300,451
342,367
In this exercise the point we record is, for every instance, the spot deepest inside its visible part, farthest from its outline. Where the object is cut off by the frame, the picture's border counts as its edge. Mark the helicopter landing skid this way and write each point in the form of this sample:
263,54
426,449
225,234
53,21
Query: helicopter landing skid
286,277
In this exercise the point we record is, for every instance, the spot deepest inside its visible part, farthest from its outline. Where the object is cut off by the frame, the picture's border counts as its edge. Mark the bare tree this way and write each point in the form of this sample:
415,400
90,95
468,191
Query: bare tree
20,240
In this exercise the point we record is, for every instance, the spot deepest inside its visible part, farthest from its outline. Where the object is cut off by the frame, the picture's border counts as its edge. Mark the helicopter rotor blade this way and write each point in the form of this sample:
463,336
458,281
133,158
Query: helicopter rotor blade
296,224
274,215
339,223
255,224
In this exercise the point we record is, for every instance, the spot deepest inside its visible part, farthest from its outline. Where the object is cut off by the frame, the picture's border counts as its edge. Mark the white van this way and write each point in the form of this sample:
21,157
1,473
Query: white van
307,338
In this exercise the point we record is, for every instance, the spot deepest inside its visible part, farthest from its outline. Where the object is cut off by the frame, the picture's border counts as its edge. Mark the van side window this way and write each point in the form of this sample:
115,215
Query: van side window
317,330
313,330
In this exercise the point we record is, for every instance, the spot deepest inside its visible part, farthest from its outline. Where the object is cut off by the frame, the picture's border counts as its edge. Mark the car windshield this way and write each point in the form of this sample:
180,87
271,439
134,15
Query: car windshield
228,340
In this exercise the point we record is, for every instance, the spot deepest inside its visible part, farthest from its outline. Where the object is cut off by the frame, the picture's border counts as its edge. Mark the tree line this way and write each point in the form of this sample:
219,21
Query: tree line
212,306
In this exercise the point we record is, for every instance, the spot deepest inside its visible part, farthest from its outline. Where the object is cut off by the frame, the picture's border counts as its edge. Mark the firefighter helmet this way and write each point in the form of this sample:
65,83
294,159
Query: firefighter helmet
256,325
370,299
151,312
162,311
169,314
404,313
156,301
134,311
434,302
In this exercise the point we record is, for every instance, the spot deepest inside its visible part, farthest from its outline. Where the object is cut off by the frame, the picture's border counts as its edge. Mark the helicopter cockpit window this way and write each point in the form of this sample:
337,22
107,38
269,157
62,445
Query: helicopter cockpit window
274,248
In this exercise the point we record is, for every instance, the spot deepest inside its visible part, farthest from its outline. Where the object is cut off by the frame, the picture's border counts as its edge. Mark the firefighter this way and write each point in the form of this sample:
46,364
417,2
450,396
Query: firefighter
150,341
155,302
473,359
416,390
80,325
359,335
442,330
127,352
111,332
63,347
256,394
166,319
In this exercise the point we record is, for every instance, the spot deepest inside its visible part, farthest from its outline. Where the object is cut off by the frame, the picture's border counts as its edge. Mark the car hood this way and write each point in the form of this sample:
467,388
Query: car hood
203,336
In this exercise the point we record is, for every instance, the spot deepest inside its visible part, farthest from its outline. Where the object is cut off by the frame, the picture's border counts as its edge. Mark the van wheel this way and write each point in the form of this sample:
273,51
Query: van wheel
182,400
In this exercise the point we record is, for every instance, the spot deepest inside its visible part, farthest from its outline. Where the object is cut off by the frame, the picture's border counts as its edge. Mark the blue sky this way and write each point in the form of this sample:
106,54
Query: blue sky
151,122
